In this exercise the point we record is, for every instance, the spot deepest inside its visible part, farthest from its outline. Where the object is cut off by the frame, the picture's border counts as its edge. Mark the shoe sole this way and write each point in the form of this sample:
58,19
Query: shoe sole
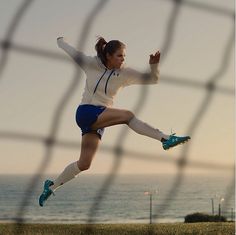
42,201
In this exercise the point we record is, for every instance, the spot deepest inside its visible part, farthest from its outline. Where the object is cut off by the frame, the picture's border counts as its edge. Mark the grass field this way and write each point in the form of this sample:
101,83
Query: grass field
119,229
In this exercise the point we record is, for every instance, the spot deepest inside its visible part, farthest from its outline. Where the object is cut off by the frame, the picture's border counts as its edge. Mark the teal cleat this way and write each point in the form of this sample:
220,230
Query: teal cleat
47,192
174,141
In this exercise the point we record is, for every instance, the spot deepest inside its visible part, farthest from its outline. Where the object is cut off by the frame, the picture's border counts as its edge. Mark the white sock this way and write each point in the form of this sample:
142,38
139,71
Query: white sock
143,128
69,173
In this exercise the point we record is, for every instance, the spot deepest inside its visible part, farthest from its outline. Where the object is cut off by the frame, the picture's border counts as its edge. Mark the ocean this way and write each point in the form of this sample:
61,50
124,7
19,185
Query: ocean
89,199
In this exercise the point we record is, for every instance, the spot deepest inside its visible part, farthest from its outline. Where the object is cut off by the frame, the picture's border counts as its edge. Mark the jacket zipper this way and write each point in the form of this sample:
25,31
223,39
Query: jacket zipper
108,80
95,89
99,81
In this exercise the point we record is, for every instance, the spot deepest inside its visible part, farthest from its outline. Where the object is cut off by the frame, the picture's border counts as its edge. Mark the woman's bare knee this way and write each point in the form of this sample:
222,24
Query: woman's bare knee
84,167
128,115
89,147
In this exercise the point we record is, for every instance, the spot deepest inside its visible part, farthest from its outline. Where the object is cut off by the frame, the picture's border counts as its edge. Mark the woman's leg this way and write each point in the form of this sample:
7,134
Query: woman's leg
90,142
112,117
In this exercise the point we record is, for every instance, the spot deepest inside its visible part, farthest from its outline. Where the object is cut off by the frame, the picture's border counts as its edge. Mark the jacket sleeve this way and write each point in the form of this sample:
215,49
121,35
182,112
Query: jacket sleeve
79,57
132,76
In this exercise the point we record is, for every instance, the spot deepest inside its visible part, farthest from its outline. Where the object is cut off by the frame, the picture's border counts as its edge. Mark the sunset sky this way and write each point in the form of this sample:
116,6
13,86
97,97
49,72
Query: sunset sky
197,46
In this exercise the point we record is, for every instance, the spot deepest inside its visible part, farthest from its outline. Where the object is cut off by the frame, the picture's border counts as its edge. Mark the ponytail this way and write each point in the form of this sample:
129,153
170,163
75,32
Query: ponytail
103,47
99,47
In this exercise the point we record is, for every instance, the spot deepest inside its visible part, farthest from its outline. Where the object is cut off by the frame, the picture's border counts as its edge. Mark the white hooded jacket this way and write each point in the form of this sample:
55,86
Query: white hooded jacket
102,83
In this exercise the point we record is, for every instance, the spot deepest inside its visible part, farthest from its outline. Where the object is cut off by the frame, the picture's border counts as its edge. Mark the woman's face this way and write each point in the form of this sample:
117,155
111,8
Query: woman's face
116,60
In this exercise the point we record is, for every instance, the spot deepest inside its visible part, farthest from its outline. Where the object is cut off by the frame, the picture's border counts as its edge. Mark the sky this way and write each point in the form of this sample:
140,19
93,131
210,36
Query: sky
195,48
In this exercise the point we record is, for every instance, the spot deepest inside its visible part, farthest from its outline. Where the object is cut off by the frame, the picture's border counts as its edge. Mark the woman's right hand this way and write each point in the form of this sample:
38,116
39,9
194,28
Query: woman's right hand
155,58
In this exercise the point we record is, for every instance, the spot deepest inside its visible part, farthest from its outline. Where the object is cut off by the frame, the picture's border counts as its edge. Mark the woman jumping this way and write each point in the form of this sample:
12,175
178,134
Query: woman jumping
106,74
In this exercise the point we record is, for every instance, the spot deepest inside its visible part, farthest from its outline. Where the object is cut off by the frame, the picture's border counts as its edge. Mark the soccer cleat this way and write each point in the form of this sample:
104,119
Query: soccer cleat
46,192
174,141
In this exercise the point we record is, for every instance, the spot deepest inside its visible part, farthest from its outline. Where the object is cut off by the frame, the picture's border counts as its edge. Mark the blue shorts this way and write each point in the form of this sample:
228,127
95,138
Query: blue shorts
86,115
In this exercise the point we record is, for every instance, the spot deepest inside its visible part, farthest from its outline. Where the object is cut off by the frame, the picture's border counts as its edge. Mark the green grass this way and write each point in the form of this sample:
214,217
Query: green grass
119,229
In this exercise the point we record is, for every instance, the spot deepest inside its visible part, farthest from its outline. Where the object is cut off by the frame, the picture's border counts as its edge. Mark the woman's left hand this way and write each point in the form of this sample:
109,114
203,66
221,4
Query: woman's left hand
155,58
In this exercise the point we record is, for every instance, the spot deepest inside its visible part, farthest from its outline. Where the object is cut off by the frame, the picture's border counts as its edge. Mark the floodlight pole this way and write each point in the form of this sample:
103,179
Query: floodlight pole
212,206
150,208
219,213
221,200
150,193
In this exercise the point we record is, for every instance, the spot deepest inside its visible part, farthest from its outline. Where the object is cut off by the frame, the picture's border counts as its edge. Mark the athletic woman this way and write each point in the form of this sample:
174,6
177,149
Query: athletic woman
106,74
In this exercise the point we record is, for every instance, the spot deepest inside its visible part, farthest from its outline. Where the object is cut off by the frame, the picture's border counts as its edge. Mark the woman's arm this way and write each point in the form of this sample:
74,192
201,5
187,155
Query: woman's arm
80,58
134,77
